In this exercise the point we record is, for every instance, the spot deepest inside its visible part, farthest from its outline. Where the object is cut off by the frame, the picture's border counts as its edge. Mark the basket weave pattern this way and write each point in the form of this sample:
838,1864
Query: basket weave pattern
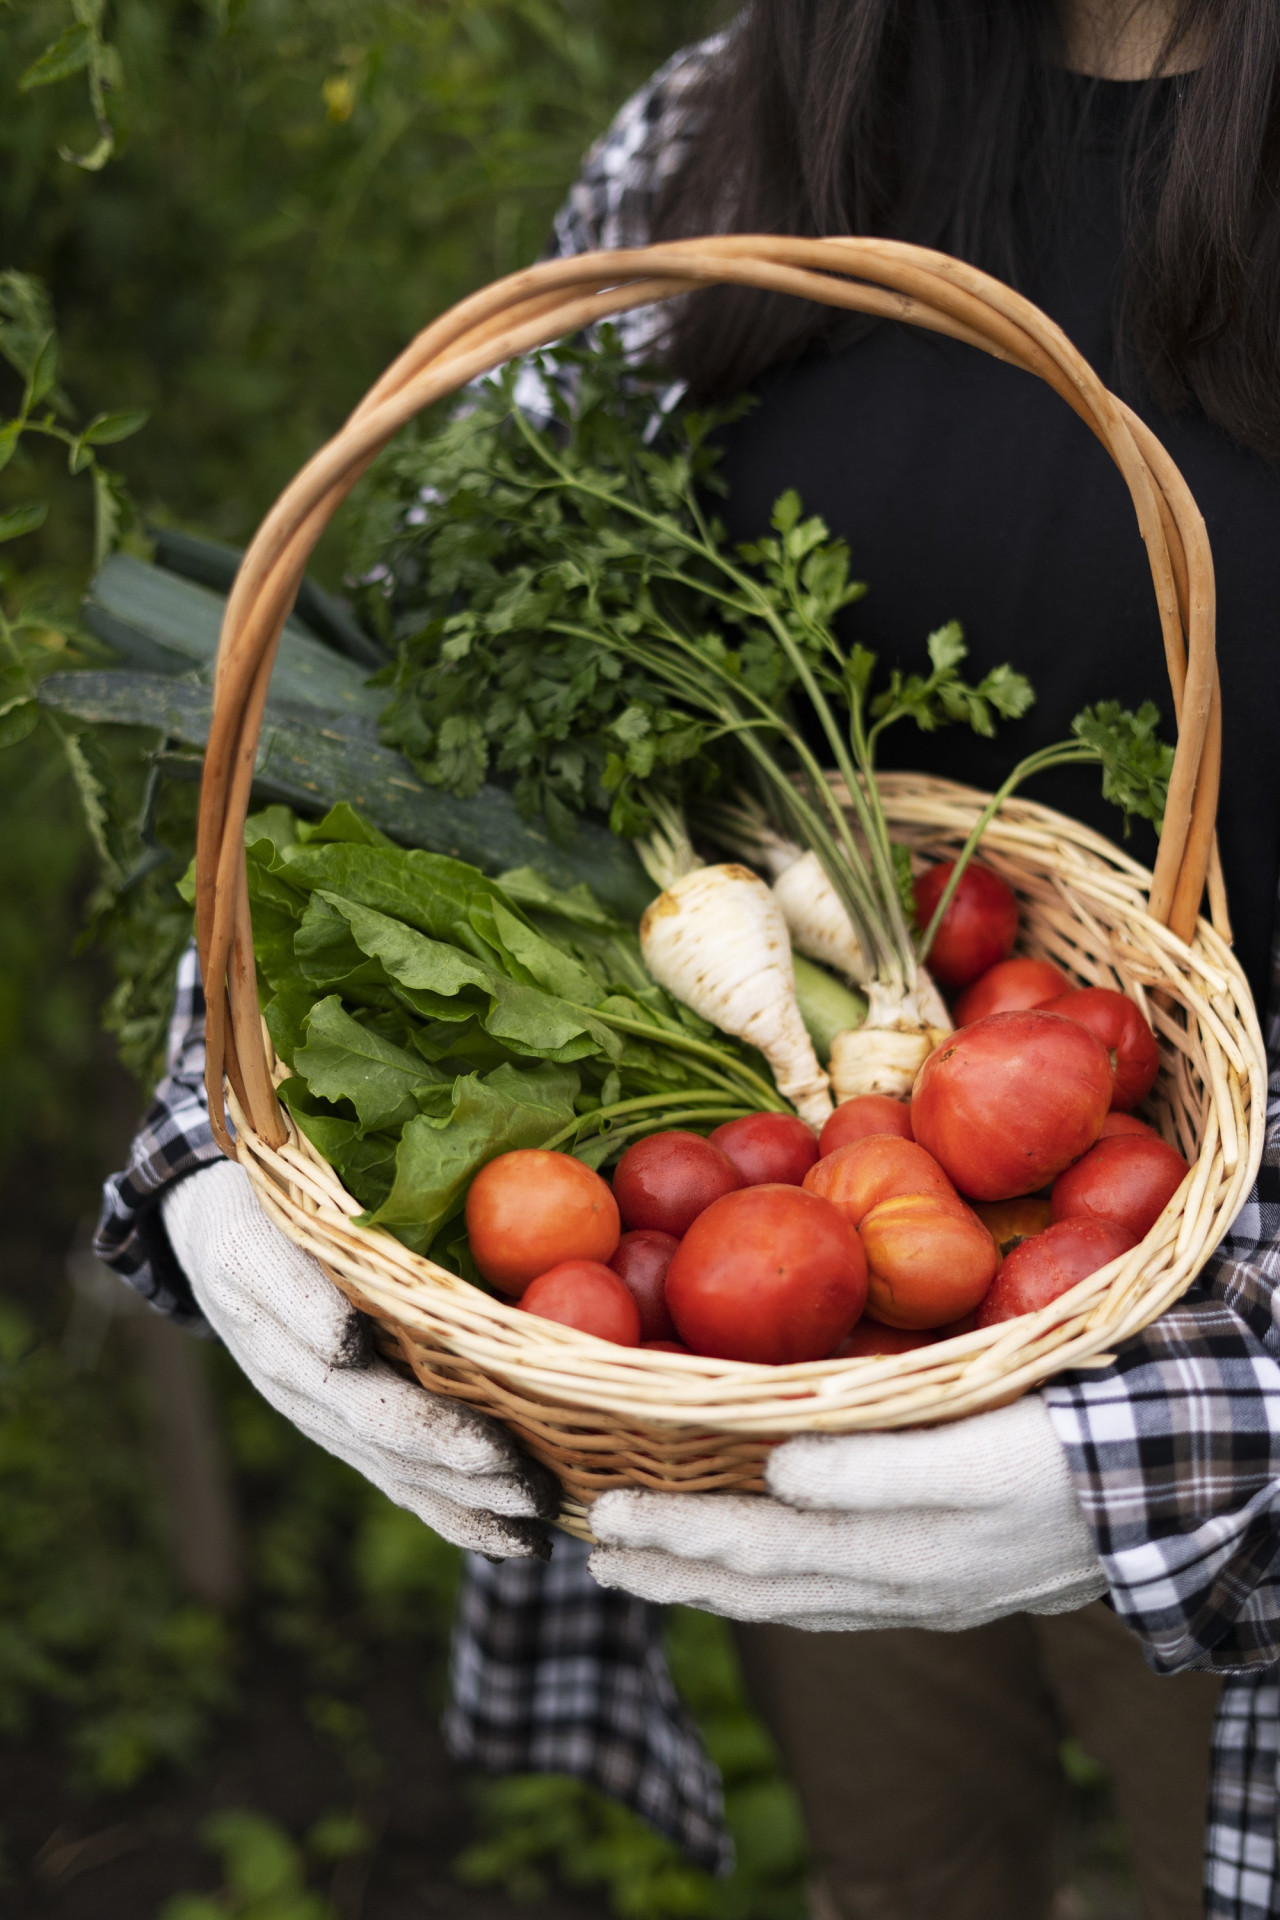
604,1416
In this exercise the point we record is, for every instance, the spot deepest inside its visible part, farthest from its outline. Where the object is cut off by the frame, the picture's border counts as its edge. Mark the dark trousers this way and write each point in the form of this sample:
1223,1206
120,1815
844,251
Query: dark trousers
927,1763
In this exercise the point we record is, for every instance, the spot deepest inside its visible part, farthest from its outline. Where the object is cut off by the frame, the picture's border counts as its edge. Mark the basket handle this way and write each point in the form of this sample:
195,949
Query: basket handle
888,279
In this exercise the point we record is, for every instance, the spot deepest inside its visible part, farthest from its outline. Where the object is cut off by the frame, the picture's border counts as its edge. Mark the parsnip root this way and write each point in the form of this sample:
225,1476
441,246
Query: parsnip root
887,1051
717,940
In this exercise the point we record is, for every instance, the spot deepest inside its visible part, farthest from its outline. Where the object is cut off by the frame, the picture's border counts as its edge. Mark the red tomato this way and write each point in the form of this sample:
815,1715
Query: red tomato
1128,1179
1129,1041
1007,1103
664,1346
1009,1221
954,1328
857,1119
528,1210
855,1178
977,929
872,1336
587,1295
1120,1123
640,1262
929,1259
768,1149
771,1274
1050,1264
665,1180
1010,987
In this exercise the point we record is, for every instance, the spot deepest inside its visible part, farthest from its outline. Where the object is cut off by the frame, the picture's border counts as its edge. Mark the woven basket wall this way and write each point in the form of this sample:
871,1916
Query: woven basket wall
605,1416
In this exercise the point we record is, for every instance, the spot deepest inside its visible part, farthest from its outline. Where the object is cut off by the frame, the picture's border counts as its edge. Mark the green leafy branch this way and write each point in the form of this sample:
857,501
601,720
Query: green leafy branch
82,48
34,633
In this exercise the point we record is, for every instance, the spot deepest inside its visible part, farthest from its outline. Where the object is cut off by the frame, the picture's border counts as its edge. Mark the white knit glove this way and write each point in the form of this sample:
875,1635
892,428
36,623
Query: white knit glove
308,1353
944,1528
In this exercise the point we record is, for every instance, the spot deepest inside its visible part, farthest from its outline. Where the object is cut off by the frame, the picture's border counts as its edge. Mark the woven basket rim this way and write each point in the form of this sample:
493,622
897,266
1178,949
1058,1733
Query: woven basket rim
573,1369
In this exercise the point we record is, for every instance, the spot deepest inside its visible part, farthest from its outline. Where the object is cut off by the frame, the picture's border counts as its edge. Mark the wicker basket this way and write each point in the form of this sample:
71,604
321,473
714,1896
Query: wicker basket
603,1416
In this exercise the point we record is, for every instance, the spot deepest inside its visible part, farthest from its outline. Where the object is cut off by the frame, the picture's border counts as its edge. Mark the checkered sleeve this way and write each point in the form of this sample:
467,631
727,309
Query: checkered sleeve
1175,1452
174,1139
611,203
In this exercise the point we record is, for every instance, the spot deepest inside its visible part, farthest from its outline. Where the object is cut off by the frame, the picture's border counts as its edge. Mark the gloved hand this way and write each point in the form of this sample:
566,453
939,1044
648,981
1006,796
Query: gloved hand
944,1527
308,1353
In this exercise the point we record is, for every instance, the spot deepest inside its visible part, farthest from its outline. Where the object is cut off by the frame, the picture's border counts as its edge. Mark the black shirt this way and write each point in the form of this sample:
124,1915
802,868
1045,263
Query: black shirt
967,489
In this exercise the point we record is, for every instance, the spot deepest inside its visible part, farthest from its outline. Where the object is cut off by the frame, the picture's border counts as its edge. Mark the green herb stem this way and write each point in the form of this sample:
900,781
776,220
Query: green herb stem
729,1069
691,1104
1065,754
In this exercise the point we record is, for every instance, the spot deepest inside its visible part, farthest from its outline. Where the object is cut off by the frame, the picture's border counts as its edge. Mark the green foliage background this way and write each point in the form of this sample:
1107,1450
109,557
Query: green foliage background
299,186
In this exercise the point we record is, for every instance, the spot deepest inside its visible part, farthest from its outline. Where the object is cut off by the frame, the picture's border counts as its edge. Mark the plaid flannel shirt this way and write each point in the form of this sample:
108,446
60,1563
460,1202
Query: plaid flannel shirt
1175,1449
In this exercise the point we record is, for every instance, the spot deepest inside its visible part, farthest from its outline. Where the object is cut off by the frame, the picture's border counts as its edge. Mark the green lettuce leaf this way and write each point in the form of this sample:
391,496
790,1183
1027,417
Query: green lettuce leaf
438,1158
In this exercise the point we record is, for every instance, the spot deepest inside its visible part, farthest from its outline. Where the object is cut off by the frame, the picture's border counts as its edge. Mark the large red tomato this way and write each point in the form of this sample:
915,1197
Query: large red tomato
1049,1264
1010,987
768,1149
856,1177
1117,1123
665,1181
586,1295
872,1337
1011,1221
771,1274
530,1209
640,1262
929,1259
1009,1102
857,1119
1122,1030
1129,1179
977,929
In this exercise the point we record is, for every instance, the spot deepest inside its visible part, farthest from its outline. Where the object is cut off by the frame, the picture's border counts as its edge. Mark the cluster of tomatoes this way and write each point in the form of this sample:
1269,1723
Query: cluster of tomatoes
1015,1171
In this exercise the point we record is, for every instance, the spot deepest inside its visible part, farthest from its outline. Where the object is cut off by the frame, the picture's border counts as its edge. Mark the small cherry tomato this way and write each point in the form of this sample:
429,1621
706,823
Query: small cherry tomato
768,1149
587,1295
528,1210
664,1181
771,1274
1011,987
1049,1264
1119,1123
872,1336
1130,1043
640,1262
1007,1103
664,1346
1009,1221
857,1119
857,1177
929,1259
977,929
1127,1179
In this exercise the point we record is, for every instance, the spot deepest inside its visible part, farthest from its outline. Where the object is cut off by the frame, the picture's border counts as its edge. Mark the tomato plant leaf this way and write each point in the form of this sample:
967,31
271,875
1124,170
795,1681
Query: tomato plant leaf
23,519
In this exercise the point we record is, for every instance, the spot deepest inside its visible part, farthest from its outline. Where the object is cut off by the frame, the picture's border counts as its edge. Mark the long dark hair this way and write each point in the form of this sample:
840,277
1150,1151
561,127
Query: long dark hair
925,120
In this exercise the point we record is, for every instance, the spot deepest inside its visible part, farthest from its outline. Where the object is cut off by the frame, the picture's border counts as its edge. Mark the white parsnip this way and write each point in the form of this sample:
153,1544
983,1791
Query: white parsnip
717,940
816,919
887,1051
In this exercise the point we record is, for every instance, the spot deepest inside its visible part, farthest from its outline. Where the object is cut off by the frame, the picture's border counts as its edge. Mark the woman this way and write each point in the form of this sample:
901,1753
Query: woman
1142,214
